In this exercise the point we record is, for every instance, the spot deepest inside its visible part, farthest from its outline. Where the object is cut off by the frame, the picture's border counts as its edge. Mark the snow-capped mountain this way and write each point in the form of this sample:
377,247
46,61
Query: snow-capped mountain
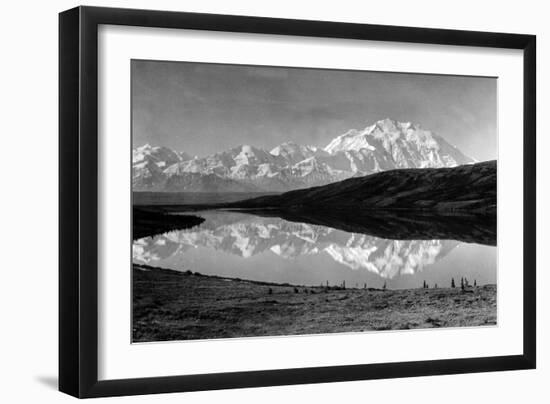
384,145
163,157
392,144
149,163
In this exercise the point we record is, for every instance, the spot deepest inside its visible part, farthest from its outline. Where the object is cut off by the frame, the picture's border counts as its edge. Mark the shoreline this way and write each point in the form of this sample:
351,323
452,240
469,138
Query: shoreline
146,223
145,267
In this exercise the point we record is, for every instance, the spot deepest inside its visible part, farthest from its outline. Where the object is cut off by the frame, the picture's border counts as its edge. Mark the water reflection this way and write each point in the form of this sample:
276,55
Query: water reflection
274,249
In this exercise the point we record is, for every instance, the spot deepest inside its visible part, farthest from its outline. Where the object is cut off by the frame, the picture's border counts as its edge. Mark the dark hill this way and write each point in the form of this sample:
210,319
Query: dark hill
469,188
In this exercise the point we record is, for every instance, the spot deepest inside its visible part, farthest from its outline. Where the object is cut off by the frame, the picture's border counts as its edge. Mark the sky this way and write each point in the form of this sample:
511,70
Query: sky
204,108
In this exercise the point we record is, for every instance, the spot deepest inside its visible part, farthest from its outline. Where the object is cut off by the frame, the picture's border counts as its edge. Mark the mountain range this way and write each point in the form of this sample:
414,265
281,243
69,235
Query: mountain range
384,145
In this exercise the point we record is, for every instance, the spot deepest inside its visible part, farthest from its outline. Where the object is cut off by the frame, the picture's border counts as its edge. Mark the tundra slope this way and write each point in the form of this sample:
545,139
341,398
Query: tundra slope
468,188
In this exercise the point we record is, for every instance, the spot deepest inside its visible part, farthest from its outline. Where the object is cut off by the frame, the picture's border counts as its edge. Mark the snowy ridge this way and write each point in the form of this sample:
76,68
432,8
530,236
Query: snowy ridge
384,145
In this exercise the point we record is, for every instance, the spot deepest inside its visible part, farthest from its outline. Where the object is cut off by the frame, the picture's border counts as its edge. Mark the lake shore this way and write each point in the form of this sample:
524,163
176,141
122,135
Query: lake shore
147,223
172,305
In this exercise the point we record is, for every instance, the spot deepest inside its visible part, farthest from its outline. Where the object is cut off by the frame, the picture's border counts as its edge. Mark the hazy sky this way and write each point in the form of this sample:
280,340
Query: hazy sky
204,108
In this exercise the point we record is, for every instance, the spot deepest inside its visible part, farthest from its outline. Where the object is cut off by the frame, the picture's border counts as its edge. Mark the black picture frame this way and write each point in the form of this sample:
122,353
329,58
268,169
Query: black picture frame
78,205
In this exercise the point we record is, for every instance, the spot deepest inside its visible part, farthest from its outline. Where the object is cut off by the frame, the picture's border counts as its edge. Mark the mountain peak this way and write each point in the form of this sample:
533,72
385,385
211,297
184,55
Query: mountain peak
387,123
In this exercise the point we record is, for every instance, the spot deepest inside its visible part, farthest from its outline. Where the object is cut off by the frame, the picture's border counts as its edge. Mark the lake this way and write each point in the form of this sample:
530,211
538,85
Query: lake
272,249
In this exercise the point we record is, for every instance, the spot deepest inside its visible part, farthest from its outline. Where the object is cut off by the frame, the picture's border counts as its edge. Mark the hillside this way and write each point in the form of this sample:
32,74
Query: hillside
469,188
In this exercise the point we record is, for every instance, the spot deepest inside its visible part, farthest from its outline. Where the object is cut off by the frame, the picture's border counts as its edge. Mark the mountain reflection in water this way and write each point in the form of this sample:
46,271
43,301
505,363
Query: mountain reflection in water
270,248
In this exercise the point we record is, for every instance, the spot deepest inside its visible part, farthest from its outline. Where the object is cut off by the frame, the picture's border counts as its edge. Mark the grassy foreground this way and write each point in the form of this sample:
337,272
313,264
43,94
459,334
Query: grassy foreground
171,305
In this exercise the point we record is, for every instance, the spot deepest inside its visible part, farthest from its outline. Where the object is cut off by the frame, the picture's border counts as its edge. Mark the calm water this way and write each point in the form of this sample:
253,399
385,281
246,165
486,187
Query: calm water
246,246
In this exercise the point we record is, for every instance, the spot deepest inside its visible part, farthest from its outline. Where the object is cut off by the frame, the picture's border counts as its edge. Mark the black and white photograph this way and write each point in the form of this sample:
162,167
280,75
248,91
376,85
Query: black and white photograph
274,201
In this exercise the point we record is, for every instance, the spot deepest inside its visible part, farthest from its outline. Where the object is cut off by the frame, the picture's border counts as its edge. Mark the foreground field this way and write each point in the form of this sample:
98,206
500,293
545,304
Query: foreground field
170,305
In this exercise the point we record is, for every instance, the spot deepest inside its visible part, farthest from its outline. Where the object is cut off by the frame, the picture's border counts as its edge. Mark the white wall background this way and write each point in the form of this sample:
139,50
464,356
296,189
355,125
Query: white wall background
28,291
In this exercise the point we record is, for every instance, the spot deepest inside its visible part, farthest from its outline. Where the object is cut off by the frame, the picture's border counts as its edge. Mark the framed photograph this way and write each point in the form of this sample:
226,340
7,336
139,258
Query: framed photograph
251,201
